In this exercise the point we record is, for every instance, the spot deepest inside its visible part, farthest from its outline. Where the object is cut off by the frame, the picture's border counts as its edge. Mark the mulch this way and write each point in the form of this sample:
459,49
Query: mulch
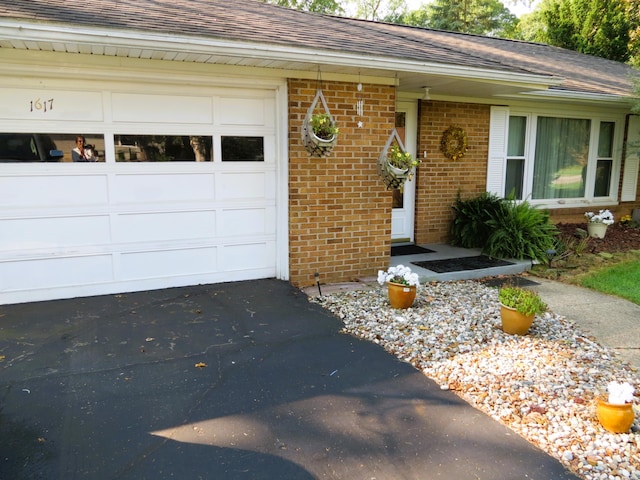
619,238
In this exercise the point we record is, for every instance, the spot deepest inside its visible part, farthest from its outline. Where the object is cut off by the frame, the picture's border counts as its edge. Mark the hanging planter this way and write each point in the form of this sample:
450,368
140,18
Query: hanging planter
395,165
319,131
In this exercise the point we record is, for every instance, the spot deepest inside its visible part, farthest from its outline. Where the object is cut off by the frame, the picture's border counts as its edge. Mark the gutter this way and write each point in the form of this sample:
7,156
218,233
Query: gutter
108,41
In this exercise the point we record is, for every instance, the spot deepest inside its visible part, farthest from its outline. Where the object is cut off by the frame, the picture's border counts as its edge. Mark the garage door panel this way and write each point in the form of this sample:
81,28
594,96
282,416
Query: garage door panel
61,272
242,111
49,105
249,221
53,233
166,187
53,190
164,226
167,263
244,185
171,109
247,256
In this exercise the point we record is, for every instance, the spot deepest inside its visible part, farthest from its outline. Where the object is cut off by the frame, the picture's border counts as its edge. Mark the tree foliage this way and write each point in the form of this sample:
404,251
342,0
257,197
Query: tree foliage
605,28
483,17
378,10
331,7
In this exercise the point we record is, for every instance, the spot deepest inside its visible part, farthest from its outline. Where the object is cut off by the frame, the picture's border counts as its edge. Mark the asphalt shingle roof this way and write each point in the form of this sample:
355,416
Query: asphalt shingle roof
256,22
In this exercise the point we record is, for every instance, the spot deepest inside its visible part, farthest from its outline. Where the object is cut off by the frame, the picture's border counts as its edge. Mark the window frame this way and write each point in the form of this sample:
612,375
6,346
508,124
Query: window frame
596,119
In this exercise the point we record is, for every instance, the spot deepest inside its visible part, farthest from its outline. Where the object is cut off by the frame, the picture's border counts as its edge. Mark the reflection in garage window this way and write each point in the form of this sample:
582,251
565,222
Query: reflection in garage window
163,148
242,149
45,147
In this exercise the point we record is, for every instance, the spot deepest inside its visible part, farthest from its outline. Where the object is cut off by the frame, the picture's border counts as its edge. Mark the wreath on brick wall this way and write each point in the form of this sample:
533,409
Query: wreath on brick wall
454,143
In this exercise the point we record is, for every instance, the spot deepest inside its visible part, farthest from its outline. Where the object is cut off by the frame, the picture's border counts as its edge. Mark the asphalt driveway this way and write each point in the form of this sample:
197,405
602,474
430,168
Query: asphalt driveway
242,380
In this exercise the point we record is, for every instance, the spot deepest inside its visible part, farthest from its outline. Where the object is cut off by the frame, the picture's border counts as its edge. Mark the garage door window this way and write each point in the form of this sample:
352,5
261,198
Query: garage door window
242,149
45,147
163,148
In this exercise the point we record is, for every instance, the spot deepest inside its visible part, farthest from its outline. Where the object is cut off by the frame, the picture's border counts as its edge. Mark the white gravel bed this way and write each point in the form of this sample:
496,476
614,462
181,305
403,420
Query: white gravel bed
542,385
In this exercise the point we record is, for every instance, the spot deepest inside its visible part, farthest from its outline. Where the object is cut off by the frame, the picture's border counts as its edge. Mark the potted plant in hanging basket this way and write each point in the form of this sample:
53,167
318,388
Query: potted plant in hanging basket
320,134
395,165
401,164
598,223
518,307
615,412
402,285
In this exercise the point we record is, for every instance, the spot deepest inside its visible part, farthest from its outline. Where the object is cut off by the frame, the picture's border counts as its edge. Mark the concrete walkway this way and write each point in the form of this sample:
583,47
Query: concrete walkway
613,321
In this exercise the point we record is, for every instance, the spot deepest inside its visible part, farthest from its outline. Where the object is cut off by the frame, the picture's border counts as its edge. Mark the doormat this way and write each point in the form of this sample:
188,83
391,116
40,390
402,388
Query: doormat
408,250
462,264
515,281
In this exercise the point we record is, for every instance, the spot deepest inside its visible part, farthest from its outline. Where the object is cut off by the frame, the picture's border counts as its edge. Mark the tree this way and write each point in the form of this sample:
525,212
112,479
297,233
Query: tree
483,17
605,28
330,7
378,10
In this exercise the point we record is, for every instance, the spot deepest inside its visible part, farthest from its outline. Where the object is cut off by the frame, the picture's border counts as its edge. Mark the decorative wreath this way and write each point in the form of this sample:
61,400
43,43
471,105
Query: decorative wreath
454,143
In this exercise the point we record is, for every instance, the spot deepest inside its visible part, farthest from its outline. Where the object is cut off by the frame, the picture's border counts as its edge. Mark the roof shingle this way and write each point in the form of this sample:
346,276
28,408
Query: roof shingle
256,22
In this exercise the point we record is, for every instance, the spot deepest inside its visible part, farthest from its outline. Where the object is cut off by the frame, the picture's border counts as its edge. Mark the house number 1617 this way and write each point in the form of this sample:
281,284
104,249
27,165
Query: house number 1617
44,105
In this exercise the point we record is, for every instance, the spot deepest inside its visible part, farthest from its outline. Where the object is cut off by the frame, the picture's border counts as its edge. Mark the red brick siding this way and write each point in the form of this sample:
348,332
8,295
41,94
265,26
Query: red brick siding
439,179
339,210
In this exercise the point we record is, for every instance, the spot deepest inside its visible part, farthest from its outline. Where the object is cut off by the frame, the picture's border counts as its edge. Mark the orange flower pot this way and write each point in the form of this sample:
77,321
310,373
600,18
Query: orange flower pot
401,296
616,418
514,322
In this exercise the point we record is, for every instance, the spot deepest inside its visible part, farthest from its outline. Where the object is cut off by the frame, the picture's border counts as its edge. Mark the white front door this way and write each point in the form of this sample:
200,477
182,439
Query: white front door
402,220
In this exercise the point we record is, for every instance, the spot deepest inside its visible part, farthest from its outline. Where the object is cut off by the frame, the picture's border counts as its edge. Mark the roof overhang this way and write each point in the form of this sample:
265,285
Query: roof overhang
411,77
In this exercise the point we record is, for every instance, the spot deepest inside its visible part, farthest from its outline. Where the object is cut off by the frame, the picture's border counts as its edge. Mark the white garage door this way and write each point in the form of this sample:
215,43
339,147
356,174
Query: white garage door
183,191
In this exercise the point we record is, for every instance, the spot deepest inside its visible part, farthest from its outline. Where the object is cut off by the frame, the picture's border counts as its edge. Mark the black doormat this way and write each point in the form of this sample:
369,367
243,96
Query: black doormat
462,264
513,280
408,250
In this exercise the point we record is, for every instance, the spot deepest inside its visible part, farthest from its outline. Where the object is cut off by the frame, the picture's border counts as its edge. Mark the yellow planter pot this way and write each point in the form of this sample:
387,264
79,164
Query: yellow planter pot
614,417
514,322
401,296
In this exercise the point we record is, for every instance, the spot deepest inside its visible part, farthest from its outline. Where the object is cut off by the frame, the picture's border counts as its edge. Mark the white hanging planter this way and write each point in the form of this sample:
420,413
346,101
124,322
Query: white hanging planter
397,172
315,145
392,176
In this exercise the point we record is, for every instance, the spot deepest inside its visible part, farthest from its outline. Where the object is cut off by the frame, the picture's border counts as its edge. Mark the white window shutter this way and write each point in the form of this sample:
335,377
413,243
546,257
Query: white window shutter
498,129
632,161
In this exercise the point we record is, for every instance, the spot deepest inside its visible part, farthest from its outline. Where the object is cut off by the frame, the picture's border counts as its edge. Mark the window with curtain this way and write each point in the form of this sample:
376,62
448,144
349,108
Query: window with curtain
561,158
549,158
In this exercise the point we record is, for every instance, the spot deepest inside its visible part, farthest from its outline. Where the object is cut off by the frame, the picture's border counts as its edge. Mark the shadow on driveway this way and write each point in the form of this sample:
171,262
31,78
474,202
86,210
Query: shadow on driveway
242,380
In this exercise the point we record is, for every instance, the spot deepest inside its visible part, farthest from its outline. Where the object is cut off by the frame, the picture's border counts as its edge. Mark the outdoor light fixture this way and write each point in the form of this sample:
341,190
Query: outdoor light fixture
317,275
550,254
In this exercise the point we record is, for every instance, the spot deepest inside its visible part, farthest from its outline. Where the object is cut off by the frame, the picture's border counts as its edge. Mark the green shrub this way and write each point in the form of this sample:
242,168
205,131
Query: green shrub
520,231
503,228
469,228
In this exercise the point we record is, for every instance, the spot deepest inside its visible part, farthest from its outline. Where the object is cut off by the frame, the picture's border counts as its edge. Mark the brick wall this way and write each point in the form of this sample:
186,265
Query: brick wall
439,179
339,210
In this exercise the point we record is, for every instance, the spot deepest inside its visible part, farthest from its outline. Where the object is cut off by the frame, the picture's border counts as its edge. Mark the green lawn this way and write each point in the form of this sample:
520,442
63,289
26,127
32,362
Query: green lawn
622,280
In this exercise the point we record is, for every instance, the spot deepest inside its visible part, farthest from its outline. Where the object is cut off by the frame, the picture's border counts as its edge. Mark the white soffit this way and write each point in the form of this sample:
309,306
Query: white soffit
407,73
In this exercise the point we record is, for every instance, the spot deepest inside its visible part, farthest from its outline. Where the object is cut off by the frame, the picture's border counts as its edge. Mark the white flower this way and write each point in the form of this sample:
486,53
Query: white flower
604,216
620,393
399,274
